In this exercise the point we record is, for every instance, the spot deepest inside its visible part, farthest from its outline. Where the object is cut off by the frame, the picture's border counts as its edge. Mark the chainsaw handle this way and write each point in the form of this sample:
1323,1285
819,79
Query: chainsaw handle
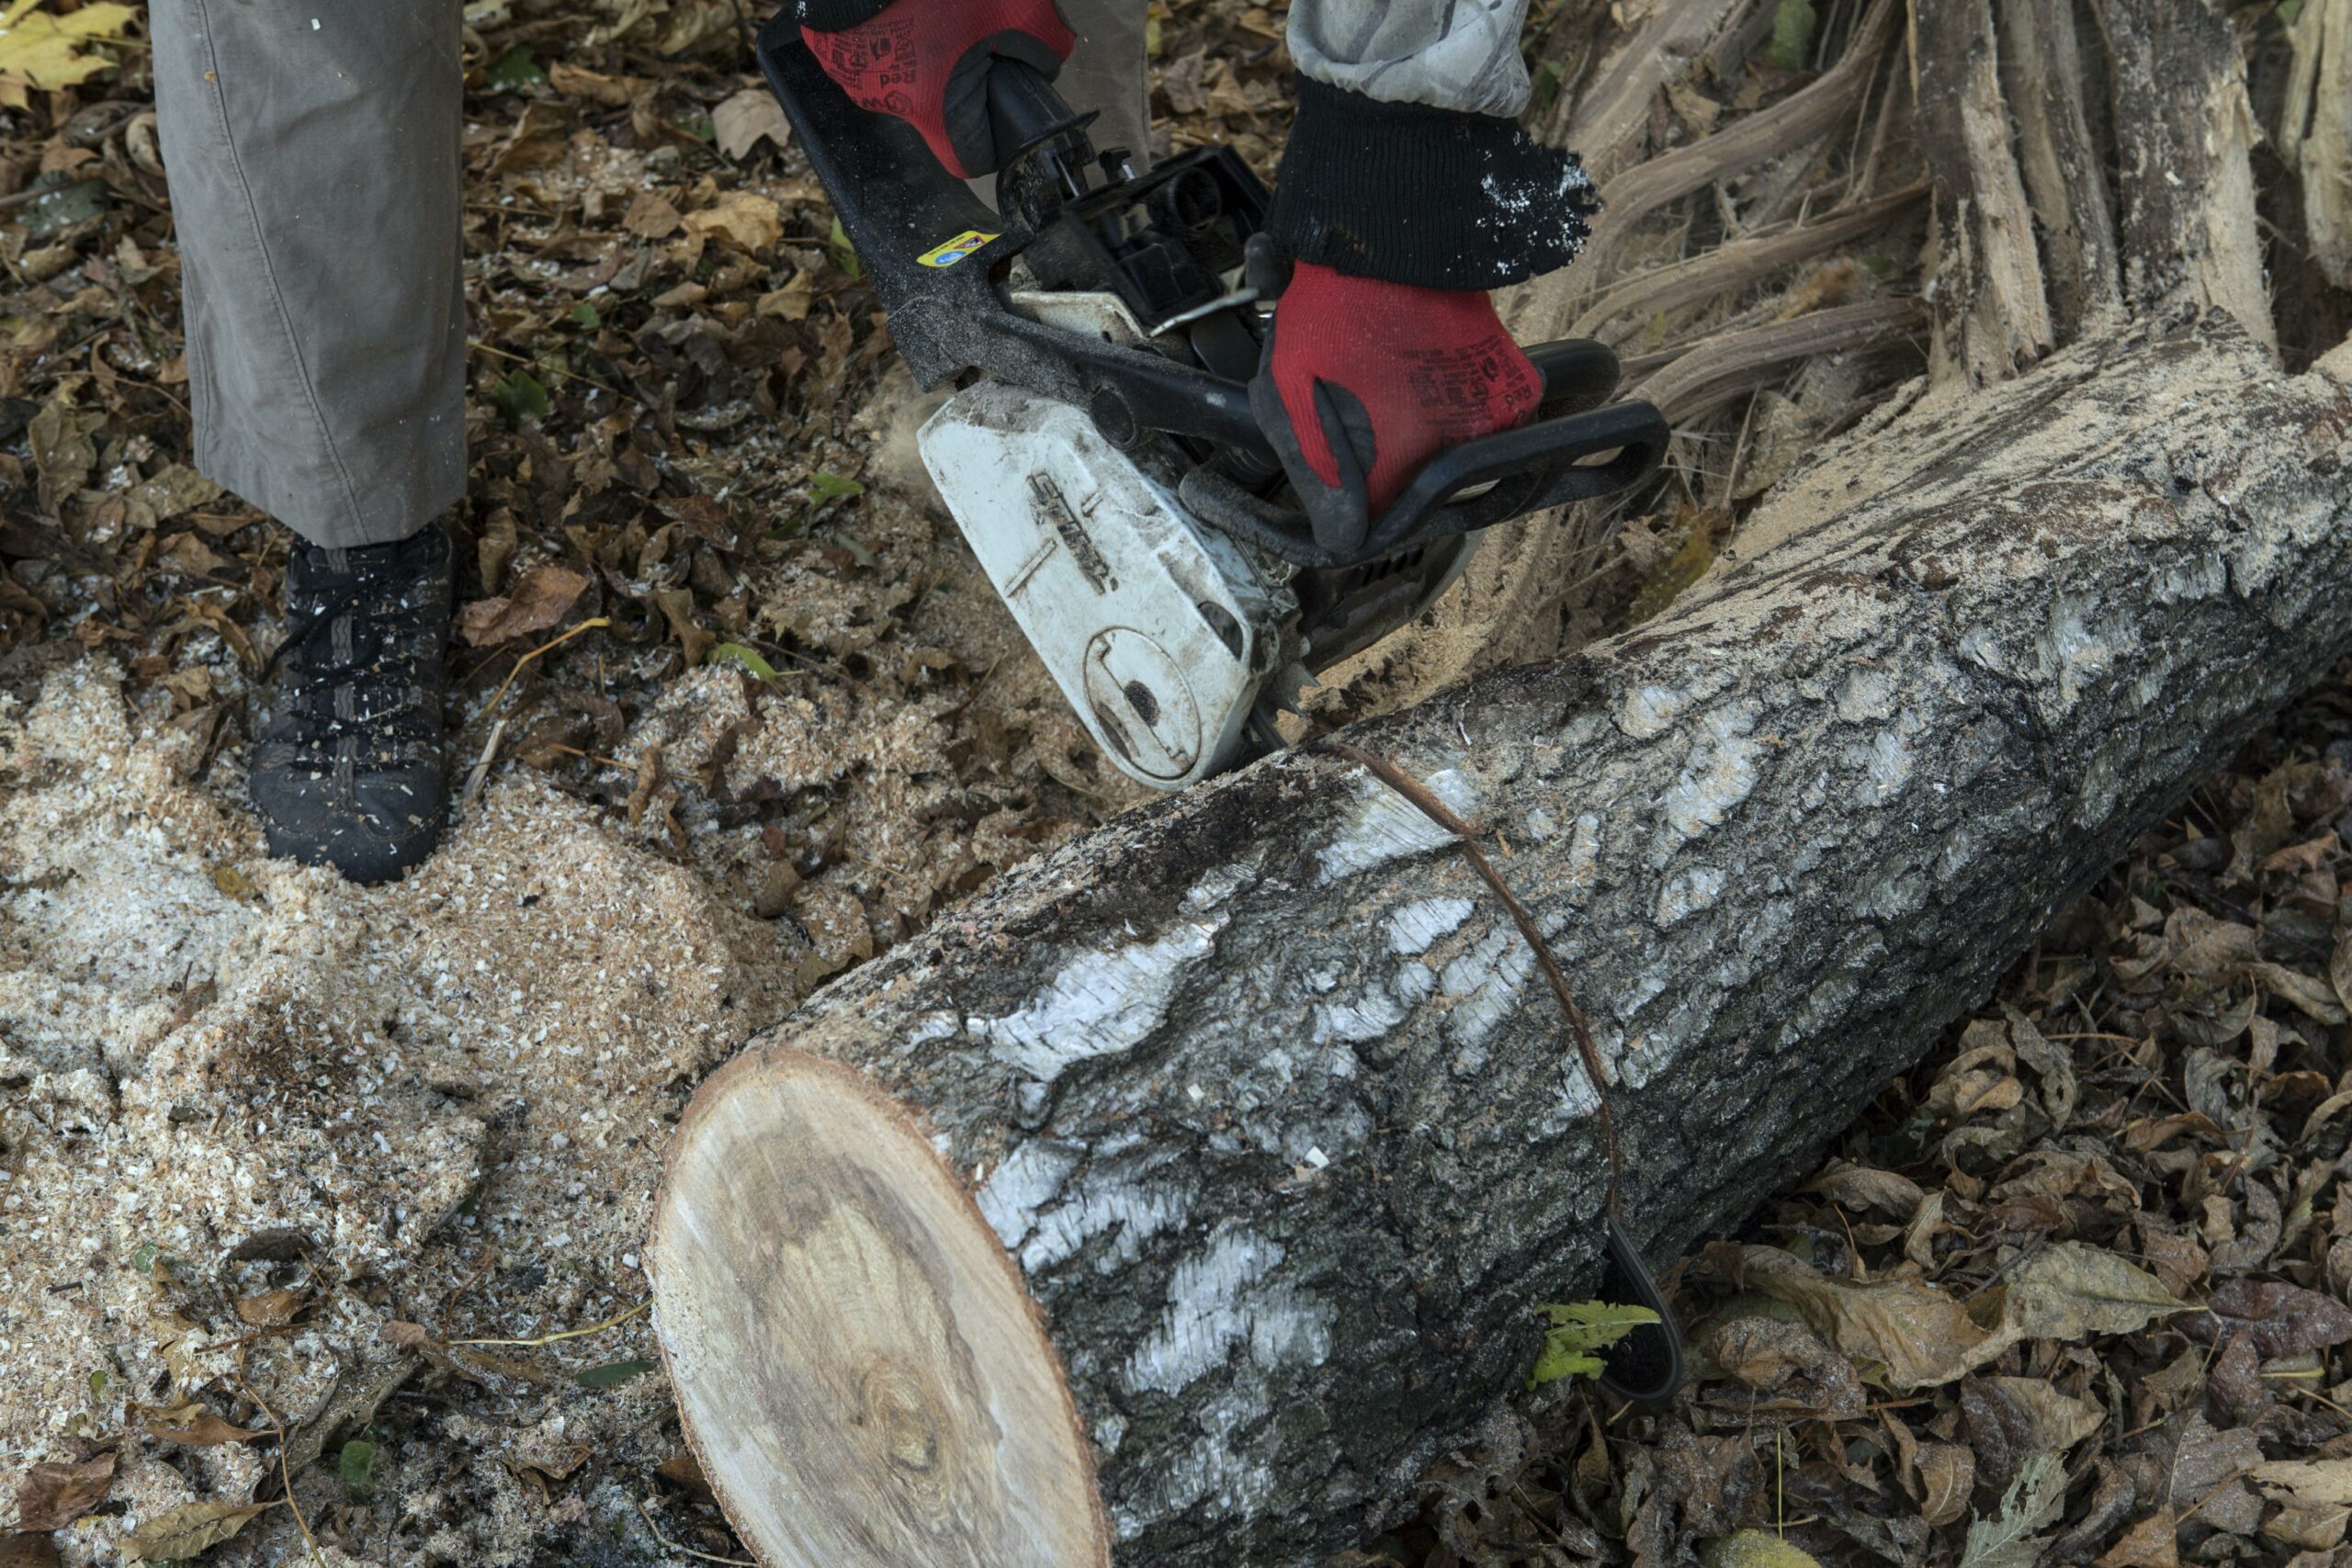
1532,469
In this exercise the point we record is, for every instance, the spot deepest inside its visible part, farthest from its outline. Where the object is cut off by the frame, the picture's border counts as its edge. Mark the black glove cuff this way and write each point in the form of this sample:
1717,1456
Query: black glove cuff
1428,197
833,16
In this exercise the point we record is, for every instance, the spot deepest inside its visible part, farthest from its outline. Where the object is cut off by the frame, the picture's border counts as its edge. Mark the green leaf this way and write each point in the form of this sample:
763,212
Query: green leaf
1580,1329
519,396
1753,1549
747,658
844,253
613,1373
357,1463
1792,27
518,67
832,487
2007,1541
701,129
143,1256
587,315
98,1385
2288,12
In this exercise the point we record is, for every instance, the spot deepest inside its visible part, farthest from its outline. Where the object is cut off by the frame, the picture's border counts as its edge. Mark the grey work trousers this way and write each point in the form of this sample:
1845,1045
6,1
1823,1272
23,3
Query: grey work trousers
313,151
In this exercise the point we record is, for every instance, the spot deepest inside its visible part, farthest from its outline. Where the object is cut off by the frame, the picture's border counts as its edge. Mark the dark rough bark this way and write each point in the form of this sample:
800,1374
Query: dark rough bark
1264,1094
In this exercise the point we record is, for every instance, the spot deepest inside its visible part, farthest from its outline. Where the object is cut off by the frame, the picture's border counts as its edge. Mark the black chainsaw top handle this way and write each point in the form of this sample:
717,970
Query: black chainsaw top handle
1509,474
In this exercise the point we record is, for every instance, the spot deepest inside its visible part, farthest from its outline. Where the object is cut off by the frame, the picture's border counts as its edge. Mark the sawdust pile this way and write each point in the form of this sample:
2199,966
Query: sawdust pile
253,1115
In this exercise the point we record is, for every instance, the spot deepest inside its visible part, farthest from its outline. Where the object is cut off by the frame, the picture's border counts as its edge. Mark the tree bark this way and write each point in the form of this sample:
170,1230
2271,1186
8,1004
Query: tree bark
1263,1095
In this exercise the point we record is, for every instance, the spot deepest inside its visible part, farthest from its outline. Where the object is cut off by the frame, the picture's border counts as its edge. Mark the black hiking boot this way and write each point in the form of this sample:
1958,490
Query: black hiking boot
349,771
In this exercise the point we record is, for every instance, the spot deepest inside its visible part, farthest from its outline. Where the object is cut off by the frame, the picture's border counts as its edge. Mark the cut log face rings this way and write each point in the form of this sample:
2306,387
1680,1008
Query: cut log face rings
857,1365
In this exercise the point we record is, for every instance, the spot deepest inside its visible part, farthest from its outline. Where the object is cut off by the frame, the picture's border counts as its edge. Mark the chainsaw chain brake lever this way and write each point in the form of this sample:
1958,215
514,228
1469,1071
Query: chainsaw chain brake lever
1479,483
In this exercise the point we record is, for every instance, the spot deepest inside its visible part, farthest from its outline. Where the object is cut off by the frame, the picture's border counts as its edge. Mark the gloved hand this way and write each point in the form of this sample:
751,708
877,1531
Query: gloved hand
1365,381
927,62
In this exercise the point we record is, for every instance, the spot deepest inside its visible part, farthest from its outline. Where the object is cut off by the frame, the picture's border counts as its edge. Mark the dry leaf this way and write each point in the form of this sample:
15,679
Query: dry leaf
182,1532
540,600
574,81
745,219
683,1469
2070,1292
2153,1542
2315,1528
2060,1422
651,215
2281,1319
272,1309
1947,1473
41,49
1919,1334
206,1430
2308,1481
53,1496
1861,1187
745,120
539,137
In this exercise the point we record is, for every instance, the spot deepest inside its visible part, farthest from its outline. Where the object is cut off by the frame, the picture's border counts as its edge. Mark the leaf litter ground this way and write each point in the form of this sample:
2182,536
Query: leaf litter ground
298,1181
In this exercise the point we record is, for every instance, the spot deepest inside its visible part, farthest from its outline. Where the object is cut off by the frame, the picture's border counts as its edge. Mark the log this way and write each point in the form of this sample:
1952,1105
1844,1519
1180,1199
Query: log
1245,1128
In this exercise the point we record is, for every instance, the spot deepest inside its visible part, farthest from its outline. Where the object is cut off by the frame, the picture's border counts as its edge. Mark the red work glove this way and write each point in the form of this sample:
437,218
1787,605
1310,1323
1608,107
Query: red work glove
927,62
1365,381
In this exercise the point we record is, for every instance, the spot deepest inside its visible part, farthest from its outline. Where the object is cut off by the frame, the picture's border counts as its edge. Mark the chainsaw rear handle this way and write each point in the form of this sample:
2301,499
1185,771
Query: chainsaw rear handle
1512,472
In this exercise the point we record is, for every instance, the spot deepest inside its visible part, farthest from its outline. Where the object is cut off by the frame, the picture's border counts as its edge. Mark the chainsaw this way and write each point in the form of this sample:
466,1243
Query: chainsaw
1101,456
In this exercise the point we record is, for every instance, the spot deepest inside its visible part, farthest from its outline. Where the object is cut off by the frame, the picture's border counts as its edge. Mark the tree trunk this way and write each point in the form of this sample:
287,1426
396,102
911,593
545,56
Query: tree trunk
1261,1100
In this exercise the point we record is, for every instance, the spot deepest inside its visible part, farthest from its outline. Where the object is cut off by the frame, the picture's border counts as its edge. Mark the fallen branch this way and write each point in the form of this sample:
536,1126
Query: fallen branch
1619,313
1729,364
1810,112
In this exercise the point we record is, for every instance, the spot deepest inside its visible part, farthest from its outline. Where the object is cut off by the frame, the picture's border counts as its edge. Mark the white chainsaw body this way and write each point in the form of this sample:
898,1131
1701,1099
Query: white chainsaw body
1161,632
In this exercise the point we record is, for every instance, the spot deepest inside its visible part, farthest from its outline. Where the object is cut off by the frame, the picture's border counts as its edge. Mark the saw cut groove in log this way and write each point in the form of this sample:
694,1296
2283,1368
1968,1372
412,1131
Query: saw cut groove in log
1264,1095
858,1367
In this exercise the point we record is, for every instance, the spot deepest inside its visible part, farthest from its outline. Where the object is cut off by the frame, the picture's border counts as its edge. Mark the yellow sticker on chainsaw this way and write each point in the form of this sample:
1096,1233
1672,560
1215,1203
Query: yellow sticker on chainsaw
957,249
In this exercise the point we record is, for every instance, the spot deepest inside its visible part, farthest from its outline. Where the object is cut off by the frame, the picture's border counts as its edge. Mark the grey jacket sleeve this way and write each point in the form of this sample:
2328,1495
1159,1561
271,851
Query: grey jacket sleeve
1449,54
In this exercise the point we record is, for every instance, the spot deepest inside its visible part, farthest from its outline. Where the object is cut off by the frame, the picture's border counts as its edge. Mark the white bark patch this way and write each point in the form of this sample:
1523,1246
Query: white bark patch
1867,696
1384,826
1485,982
1886,768
2073,651
1101,1003
1218,1302
1029,1178
1416,927
1136,1210
1367,1017
1721,773
1648,711
1686,895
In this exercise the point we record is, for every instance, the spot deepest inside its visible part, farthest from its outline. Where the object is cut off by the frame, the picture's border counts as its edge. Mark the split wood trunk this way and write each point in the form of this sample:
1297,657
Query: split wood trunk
1175,1201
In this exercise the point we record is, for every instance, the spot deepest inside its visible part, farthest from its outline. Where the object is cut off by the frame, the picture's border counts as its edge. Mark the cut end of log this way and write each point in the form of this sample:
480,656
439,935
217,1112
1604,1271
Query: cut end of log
858,1366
